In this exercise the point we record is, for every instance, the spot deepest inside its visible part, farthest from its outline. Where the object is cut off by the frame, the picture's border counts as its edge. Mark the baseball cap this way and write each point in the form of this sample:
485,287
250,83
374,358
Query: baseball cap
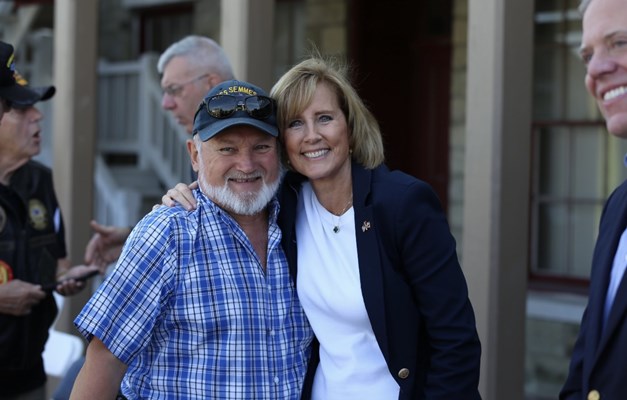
233,103
13,87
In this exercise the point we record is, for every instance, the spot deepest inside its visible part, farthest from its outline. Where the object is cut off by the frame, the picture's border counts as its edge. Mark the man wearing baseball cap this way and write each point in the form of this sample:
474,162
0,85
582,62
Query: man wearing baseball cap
13,89
6,74
201,304
32,244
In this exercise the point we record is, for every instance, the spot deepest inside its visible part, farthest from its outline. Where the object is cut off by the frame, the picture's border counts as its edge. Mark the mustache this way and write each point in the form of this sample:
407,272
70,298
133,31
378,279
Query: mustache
240,176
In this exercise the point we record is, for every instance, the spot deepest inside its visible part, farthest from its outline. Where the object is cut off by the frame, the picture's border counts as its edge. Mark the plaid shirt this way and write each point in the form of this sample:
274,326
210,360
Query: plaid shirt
189,309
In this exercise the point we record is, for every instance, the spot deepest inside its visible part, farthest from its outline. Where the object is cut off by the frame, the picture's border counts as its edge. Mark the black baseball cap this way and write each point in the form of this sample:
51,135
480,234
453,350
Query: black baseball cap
262,115
13,87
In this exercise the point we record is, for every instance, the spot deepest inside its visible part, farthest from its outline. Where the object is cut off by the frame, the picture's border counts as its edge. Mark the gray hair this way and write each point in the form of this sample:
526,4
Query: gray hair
201,52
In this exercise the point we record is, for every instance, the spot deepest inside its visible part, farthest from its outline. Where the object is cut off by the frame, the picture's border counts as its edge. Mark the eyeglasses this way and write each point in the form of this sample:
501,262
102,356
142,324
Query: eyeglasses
223,106
176,88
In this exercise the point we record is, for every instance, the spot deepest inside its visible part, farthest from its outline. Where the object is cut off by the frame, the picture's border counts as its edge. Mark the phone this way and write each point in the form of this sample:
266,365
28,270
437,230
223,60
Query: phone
49,287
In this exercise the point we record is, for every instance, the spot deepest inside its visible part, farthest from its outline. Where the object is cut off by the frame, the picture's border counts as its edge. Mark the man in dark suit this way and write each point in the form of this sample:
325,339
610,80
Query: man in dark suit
597,369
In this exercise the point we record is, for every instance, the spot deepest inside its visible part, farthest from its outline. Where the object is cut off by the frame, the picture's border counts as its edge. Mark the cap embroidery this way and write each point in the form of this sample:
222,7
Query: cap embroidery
3,219
19,79
238,89
10,62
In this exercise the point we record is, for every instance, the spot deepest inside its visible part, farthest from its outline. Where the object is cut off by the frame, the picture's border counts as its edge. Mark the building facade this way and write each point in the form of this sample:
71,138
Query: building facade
483,99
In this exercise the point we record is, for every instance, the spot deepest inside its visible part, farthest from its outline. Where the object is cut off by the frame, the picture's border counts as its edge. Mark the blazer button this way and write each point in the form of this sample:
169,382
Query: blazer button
594,395
403,373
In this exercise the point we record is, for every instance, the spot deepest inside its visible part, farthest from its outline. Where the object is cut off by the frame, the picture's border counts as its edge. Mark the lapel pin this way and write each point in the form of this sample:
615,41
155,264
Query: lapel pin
365,226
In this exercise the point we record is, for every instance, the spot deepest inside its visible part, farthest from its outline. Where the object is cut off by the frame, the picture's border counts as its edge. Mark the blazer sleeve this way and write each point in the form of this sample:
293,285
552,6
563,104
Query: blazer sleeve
429,259
572,387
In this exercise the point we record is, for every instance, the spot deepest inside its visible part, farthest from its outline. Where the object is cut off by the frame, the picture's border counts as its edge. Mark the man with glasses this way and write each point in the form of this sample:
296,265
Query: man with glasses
190,68
201,304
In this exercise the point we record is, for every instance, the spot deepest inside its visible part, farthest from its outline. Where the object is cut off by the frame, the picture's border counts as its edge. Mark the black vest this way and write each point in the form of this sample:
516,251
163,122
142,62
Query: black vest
31,242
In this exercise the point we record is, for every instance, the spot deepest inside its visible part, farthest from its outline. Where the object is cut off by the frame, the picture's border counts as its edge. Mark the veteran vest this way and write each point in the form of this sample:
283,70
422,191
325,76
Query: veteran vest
31,242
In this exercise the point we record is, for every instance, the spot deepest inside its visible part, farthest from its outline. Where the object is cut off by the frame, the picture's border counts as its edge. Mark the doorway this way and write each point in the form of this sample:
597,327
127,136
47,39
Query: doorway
400,51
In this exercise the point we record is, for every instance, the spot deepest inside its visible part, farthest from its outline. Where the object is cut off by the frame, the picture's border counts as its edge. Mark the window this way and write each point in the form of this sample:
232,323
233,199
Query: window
575,162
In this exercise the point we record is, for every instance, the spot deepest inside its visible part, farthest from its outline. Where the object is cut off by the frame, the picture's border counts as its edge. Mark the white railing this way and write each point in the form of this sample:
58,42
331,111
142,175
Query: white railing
132,123
113,204
161,134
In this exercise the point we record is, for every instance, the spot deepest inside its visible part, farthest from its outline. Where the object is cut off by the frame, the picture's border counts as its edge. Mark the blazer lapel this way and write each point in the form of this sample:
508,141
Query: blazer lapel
608,240
368,254
288,198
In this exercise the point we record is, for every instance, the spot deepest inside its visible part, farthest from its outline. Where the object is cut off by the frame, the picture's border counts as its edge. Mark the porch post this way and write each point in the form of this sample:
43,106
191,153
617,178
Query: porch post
75,54
496,188
247,35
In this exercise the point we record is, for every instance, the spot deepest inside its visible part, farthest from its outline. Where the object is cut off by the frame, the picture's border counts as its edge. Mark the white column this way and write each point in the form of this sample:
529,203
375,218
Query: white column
247,35
75,77
496,189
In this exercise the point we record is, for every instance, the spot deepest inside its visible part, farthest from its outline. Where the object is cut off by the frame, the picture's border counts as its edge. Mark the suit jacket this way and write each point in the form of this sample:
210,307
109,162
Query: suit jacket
599,357
413,287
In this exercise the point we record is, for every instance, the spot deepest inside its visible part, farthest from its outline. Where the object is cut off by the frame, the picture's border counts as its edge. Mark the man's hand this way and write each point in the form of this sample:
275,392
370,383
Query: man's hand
106,245
182,194
18,297
74,280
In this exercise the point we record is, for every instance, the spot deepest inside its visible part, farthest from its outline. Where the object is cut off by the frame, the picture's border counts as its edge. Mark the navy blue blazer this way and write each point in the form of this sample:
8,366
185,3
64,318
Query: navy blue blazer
413,287
599,359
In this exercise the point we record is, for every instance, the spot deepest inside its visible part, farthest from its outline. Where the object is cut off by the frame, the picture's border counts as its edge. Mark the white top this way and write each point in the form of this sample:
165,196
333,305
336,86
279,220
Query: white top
351,363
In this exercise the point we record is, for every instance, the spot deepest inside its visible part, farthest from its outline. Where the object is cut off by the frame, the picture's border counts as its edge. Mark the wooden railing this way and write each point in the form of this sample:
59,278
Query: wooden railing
132,126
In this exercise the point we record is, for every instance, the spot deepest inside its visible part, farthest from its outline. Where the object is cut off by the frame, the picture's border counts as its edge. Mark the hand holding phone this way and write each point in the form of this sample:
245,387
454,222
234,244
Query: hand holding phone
49,287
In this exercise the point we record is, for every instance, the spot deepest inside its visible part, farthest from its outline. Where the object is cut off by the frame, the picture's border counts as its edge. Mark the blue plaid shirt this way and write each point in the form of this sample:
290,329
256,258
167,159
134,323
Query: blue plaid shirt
189,309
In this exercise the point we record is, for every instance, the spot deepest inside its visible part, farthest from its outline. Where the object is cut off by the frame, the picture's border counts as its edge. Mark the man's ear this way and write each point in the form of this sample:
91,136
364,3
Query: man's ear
214,80
193,154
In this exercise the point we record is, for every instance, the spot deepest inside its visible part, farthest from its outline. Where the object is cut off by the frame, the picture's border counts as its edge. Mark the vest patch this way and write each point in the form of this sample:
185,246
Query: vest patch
38,214
6,272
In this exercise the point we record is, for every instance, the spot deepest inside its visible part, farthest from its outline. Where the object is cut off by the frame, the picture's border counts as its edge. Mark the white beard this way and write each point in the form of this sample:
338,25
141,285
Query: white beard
247,203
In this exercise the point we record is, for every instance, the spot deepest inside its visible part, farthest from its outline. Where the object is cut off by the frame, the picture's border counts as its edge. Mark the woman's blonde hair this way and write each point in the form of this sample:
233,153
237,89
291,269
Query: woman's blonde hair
294,91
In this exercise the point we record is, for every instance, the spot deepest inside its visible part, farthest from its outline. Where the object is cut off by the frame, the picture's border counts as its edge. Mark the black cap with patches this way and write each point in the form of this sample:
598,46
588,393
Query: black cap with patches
13,87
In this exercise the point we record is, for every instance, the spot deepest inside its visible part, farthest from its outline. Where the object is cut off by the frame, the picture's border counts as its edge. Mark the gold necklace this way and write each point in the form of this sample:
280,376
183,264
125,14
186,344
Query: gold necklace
336,228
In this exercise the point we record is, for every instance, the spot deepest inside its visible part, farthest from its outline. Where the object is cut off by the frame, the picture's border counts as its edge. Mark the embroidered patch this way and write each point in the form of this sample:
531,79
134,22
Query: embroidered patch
6,272
38,214
3,219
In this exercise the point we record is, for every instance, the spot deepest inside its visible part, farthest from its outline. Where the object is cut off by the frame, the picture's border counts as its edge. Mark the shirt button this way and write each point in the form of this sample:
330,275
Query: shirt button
276,380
